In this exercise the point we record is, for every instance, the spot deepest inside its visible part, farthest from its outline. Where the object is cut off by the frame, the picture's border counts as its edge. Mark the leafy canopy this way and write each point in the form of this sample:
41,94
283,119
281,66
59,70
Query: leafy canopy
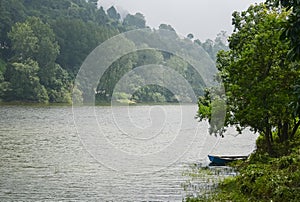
259,80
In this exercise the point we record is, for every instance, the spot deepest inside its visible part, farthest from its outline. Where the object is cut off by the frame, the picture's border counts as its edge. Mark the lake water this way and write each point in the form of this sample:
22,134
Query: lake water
136,153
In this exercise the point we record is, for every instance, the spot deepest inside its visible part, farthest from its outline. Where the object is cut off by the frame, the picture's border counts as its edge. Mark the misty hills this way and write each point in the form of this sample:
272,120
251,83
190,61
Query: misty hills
44,43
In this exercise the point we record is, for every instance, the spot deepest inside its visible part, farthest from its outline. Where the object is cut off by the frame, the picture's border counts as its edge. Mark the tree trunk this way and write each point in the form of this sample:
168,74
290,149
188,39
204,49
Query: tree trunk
268,135
295,129
285,131
271,137
268,139
279,131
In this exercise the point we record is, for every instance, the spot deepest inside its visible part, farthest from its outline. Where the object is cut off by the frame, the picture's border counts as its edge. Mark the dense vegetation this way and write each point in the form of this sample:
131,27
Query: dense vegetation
44,43
262,177
259,80
261,75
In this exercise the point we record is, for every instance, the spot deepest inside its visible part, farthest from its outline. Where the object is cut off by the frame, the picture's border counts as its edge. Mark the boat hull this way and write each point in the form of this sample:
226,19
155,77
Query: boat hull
223,160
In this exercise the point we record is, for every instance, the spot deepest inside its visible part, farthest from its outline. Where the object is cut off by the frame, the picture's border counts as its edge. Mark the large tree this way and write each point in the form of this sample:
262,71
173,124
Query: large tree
259,80
291,25
136,21
24,83
35,40
113,13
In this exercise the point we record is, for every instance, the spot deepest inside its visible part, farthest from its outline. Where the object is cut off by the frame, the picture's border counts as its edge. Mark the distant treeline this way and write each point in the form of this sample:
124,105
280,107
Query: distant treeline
44,43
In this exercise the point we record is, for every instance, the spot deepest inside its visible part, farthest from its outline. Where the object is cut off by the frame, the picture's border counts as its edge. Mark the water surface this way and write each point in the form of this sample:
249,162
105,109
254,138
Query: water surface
133,155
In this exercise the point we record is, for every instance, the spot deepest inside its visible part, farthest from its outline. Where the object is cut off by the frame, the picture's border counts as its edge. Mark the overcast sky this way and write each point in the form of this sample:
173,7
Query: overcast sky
204,18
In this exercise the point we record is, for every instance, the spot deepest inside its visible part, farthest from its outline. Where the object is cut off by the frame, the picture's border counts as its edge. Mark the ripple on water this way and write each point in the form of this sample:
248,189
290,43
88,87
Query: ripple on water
43,159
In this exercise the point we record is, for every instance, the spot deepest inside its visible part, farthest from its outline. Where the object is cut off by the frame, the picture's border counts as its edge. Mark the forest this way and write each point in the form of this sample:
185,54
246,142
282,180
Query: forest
44,43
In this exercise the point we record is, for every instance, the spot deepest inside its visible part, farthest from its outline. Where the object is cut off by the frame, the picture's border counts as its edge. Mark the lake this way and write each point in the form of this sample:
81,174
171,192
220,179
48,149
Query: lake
119,153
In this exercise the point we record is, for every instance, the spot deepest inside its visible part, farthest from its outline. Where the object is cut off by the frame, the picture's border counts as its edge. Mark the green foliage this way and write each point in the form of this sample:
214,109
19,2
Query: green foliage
190,36
77,95
177,64
25,43
204,109
152,94
24,83
3,84
113,74
291,28
35,40
136,21
257,76
166,27
35,30
263,178
213,47
261,84
47,46
149,93
100,17
276,180
149,56
112,13
12,11
74,47
185,69
58,35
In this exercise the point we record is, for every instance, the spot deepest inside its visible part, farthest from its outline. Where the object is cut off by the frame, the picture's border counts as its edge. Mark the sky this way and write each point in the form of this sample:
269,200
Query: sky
203,18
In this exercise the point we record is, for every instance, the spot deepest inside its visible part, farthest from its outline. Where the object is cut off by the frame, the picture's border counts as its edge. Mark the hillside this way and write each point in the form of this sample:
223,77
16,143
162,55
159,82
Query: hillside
44,43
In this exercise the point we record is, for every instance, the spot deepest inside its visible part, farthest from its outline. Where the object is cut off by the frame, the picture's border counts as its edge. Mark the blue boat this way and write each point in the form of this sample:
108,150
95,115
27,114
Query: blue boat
223,160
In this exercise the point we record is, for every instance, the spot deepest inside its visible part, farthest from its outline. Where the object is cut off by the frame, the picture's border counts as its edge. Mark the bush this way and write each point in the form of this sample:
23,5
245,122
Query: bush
263,177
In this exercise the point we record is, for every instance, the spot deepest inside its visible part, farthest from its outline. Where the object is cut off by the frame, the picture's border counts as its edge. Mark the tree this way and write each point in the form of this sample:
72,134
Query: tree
112,13
291,32
48,48
101,17
208,47
170,31
167,27
3,84
213,47
181,67
24,83
190,36
58,39
291,25
113,74
149,56
258,78
136,21
74,47
35,40
25,43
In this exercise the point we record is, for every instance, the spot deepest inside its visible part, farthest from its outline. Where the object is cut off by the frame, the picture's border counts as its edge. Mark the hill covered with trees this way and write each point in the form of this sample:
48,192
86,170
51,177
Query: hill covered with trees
44,43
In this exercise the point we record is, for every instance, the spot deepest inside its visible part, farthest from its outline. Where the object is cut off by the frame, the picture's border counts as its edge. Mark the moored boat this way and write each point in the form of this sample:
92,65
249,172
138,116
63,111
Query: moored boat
223,160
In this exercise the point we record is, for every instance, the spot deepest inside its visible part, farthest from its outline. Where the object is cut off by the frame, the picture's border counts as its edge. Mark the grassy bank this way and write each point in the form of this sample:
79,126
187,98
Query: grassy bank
263,177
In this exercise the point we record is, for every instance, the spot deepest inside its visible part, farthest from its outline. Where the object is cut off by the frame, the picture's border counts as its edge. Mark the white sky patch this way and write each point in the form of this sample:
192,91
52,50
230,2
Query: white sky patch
203,18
